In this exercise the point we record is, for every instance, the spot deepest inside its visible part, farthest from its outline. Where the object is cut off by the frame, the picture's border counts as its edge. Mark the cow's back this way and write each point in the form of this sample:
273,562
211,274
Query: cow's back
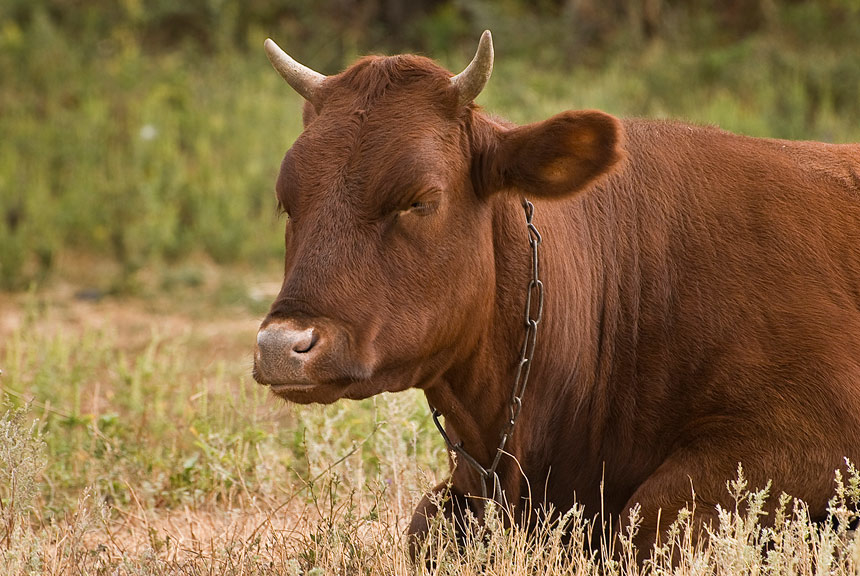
741,221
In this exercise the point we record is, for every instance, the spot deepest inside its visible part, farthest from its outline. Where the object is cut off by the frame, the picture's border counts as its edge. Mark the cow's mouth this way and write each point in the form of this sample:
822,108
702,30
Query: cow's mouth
305,387
357,384
323,392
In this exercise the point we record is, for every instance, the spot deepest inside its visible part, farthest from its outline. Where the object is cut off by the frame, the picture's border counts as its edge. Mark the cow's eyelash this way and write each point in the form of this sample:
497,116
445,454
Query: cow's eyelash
425,202
419,205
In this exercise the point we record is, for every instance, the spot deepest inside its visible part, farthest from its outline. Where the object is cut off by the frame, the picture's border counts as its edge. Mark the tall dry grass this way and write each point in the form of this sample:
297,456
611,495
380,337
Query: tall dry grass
147,458
331,525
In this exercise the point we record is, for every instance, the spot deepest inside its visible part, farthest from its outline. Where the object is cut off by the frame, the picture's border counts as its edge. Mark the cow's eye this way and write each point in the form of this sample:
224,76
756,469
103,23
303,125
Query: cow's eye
420,207
425,204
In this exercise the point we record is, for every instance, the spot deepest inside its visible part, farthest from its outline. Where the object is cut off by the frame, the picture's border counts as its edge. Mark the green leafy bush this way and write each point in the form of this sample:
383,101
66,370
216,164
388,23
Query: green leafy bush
148,132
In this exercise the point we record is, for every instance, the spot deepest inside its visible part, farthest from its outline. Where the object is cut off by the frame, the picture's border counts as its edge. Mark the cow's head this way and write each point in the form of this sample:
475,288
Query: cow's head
389,273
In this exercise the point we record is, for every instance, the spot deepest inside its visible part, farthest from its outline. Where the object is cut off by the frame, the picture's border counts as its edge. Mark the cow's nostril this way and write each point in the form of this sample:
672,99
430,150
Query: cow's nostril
277,340
305,342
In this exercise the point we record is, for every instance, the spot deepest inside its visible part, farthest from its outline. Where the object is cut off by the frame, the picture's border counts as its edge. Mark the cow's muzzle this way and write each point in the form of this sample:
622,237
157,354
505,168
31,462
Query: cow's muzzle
292,355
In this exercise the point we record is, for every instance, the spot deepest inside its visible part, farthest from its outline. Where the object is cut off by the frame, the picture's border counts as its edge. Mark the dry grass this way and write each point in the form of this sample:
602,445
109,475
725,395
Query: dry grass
133,445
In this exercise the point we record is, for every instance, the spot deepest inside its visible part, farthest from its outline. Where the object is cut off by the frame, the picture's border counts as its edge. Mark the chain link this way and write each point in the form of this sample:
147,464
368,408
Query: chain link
533,316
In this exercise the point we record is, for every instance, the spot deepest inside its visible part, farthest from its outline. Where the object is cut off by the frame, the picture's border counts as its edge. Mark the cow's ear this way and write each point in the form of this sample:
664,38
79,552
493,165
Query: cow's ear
554,158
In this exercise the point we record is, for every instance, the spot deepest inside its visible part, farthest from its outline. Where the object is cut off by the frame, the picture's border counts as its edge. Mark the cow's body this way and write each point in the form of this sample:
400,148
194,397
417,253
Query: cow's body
702,309
702,297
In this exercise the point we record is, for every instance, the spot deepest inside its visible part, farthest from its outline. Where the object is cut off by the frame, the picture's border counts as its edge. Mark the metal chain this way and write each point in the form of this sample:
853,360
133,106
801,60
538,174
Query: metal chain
533,316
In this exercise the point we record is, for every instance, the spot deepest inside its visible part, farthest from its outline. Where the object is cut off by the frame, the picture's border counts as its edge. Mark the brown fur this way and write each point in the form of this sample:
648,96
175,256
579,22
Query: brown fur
702,291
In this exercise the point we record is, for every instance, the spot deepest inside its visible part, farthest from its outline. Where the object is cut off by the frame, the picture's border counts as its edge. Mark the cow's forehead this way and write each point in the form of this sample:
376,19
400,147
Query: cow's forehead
373,173
382,153
384,129
386,126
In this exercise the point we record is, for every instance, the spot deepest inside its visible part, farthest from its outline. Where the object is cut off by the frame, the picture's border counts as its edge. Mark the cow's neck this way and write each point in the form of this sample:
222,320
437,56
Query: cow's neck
475,395
574,362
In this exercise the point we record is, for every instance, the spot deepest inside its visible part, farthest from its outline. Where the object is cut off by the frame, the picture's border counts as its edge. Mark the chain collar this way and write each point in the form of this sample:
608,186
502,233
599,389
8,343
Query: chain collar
534,299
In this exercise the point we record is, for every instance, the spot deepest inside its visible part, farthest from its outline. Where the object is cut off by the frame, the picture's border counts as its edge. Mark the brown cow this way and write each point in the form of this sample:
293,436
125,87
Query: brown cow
702,290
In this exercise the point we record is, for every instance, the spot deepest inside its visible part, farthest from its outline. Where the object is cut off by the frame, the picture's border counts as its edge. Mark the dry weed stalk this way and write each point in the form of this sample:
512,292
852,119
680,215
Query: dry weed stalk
337,516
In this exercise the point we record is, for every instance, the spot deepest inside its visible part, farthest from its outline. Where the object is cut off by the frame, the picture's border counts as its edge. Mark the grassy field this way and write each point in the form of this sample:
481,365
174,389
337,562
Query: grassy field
140,246
135,439
134,442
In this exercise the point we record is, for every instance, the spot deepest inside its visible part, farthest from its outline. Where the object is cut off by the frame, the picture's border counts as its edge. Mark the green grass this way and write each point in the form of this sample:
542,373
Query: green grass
154,159
134,158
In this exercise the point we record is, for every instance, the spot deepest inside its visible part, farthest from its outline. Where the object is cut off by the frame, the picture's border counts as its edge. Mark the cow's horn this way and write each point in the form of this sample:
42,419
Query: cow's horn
303,80
472,80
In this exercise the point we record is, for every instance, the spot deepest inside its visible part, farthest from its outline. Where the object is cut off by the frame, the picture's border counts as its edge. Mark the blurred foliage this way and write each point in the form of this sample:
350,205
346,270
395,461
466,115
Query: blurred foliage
148,131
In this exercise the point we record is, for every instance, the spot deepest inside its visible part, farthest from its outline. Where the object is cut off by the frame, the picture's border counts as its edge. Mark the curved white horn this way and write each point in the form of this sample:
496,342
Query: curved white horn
303,80
472,80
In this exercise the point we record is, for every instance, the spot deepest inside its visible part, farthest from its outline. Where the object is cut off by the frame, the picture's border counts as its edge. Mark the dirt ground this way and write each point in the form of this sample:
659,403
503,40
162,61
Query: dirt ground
217,313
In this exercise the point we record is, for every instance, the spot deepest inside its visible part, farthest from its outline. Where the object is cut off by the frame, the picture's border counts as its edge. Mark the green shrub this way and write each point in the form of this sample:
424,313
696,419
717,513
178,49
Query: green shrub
145,133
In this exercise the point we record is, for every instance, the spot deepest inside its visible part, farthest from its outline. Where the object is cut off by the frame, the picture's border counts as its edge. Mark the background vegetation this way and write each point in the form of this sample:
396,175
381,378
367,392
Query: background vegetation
149,131
139,144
